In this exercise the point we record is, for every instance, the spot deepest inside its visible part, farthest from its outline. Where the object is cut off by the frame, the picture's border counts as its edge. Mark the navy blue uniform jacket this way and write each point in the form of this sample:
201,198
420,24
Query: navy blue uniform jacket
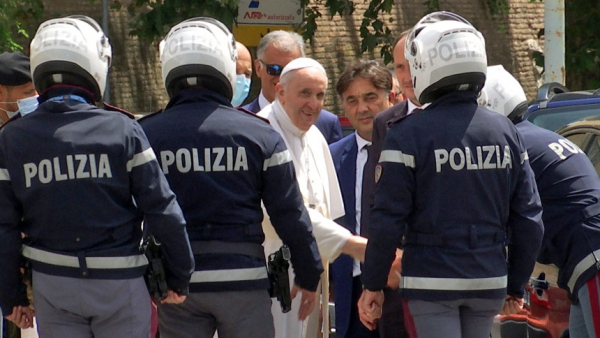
327,122
221,163
78,180
453,179
570,192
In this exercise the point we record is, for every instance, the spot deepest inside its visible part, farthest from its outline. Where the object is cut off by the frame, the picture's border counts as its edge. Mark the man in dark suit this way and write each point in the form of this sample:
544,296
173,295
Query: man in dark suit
365,89
399,110
275,50
392,322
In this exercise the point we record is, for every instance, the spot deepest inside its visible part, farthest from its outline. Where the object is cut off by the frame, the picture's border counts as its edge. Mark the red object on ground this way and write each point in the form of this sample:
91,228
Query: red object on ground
545,316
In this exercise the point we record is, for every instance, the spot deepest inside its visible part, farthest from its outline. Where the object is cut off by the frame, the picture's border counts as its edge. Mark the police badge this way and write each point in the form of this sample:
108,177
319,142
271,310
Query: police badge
378,170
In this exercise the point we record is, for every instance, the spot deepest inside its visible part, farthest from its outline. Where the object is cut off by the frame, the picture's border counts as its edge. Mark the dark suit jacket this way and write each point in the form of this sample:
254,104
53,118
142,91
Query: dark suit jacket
391,324
344,154
380,127
328,123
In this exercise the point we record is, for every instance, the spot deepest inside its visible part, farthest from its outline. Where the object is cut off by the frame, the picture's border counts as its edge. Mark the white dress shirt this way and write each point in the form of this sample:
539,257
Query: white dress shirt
361,160
262,101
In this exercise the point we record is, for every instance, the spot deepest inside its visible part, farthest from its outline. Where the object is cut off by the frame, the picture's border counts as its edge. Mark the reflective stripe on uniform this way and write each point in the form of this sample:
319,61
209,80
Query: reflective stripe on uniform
4,175
396,156
141,158
582,266
52,258
524,157
228,275
453,284
278,159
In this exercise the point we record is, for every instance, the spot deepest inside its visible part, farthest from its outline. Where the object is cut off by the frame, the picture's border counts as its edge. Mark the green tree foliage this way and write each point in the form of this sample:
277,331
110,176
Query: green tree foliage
373,30
582,44
152,19
15,17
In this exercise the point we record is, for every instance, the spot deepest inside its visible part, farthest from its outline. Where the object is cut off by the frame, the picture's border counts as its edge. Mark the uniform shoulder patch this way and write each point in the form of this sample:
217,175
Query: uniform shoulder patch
253,114
378,170
117,109
150,115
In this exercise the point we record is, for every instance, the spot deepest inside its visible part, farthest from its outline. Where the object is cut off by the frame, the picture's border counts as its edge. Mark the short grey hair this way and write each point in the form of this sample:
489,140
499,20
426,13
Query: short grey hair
284,41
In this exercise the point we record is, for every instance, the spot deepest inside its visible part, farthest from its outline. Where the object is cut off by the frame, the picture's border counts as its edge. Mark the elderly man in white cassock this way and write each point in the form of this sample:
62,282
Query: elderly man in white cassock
299,99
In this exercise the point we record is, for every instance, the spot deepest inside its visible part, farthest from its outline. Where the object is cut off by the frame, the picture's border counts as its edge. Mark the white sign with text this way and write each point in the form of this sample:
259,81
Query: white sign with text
269,12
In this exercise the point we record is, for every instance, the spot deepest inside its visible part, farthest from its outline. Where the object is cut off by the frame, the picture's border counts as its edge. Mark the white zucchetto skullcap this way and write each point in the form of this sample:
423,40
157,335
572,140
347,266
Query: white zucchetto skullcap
300,63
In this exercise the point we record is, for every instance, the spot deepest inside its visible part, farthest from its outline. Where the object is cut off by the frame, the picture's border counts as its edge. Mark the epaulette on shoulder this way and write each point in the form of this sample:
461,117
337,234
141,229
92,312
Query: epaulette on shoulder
150,115
400,119
14,118
117,109
253,114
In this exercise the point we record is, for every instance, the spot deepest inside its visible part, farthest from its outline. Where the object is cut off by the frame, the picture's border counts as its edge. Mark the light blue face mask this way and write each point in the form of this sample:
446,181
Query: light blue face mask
242,87
28,105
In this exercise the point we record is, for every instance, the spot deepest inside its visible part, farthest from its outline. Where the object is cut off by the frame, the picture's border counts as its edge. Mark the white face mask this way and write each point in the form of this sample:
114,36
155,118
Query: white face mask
26,106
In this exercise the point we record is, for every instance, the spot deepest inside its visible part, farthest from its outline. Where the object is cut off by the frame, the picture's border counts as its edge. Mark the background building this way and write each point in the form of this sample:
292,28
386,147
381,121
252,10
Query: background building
135,77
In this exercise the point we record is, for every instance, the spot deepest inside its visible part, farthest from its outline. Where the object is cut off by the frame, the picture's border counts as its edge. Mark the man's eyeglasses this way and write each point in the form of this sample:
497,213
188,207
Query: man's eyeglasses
273,70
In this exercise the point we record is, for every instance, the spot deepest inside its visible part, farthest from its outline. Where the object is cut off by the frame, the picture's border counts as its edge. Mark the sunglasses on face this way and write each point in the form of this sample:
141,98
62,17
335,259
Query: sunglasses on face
273,70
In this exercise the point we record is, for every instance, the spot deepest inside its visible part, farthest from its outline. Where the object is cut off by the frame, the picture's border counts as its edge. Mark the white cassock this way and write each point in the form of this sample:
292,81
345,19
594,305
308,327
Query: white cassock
320,190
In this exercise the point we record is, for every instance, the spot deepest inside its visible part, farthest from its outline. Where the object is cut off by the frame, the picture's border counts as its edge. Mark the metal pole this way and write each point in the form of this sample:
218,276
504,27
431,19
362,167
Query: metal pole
554,42
105,28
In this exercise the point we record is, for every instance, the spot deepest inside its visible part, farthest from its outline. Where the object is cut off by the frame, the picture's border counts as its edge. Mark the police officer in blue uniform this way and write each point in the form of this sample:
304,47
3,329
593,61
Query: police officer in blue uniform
570,192
222,162
77,181
452,181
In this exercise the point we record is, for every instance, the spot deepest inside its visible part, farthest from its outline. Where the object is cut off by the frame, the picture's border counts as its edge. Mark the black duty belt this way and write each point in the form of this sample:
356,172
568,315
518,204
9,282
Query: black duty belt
221,247
474,239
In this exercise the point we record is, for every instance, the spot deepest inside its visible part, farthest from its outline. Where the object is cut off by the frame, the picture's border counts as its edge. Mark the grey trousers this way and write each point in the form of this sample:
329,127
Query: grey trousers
98,308
233,314
462,318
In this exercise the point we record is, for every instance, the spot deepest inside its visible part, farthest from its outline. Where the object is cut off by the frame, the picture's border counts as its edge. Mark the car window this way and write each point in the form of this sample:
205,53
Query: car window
590,144
594,153
557,117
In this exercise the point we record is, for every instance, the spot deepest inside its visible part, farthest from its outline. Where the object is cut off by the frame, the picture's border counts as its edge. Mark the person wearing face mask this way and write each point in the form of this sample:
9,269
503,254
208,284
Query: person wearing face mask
78,181
17,93
243,69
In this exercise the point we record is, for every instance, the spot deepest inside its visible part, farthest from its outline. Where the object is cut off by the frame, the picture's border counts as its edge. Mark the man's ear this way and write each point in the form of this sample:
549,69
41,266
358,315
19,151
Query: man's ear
257,67
279,91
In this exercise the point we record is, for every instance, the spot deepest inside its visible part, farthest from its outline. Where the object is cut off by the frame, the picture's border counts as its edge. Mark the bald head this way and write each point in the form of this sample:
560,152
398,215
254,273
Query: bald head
244,62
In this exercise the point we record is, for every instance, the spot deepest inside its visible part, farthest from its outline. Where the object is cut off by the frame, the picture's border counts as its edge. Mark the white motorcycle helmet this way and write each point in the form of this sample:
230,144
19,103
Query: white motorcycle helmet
502,93
199,50
445,53
71,50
